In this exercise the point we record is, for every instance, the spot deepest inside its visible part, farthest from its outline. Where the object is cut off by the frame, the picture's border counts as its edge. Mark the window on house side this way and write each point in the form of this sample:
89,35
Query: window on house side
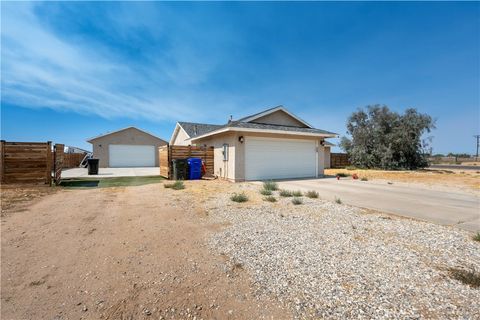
225,152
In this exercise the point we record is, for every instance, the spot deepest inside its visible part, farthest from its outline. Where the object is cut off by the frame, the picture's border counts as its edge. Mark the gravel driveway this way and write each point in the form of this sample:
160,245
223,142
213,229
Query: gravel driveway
334,261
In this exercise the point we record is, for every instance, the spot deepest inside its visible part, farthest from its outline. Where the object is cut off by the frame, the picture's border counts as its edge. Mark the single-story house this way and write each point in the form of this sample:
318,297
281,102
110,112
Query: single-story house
272,144
128,147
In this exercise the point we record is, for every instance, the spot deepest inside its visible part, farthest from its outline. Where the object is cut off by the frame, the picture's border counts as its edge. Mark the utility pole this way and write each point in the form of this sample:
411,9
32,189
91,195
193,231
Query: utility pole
477,136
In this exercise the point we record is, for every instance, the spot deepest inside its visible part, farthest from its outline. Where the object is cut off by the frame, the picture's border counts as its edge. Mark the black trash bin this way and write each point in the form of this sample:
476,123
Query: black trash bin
180,168
92,166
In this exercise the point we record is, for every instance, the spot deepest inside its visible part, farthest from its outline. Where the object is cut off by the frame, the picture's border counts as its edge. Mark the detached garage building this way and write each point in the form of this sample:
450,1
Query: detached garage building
129,147
272,144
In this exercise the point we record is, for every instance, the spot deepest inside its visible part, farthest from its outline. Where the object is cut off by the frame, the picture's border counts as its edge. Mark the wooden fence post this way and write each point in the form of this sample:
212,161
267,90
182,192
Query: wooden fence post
49,163
58,162
2,161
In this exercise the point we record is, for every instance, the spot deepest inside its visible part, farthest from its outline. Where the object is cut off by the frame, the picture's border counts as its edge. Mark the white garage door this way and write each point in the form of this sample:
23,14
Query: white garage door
268,158
122,155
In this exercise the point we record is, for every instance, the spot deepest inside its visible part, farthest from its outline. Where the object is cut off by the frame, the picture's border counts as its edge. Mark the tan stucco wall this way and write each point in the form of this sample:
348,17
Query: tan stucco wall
128,136
180,137
280,118
223,169
234,168
327,157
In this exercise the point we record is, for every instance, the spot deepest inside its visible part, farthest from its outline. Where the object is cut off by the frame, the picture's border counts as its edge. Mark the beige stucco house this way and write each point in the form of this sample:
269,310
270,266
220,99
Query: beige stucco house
128,147
272,144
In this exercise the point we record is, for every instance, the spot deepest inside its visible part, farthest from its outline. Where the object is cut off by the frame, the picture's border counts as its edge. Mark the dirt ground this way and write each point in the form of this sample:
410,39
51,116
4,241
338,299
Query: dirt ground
119,253
463,180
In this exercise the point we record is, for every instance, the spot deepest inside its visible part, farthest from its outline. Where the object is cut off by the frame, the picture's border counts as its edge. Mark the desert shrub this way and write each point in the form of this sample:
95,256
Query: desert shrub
297,193
239,197
364,179
177,185
338,200
270,185
297,201
270,199
312,194
468,277
286,193
342,174
477,237
266,192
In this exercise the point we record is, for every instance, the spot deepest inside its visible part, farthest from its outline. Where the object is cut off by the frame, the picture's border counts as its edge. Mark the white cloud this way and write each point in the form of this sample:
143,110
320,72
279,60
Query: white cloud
40,69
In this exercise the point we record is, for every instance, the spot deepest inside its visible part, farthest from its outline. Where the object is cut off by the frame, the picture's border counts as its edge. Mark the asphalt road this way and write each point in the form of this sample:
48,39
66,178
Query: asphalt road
441,207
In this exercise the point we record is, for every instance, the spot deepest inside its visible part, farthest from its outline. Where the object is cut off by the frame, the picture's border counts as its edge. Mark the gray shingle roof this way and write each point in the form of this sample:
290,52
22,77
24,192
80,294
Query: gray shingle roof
197,129
240,124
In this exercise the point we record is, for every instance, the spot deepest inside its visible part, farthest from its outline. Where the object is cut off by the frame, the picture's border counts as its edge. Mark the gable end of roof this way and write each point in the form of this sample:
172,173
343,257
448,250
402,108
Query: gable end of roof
123,129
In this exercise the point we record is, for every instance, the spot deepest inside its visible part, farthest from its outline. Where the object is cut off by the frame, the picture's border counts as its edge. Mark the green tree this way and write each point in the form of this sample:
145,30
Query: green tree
381,138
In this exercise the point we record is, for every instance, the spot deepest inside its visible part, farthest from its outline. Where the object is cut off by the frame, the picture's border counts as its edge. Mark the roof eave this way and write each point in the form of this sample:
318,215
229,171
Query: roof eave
293,133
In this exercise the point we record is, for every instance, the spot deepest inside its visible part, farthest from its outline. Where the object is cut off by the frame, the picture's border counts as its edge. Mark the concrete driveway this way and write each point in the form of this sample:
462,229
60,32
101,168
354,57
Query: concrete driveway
442,207
111,172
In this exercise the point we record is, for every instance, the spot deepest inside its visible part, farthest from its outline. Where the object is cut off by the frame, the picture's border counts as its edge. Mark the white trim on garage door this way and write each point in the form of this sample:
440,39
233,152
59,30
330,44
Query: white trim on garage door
125,155
275,158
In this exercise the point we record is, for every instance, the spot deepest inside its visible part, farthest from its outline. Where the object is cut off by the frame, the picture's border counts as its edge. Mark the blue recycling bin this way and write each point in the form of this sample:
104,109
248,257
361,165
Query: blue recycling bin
194,168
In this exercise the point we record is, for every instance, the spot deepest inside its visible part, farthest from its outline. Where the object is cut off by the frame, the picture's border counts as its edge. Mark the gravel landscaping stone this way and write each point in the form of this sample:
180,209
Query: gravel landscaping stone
327,260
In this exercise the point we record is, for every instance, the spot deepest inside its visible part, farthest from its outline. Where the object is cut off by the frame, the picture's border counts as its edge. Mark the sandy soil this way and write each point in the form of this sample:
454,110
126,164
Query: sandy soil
18,198
456,179
120,253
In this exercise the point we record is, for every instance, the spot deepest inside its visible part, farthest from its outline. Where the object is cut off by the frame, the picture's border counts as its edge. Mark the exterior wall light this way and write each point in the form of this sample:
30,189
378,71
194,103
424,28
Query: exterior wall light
241,139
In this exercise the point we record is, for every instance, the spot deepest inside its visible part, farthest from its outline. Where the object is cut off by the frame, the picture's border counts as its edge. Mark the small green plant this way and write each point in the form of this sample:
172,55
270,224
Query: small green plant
270,185
297,193
177,185
270,199
338,200
312,194
364,179
342,174
477,237
239,197
285,193
266,192
297,201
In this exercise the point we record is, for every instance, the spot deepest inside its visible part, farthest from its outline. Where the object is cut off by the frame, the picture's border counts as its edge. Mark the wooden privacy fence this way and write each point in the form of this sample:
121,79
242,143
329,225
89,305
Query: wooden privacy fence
72,160
26,162
168,153
339,160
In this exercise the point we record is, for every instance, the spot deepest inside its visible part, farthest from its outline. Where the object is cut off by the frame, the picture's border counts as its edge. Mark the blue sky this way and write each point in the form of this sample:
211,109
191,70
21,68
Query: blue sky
71,71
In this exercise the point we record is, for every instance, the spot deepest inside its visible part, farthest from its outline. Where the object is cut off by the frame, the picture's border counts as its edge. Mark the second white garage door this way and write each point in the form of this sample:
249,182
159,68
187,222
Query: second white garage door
123,155
269,158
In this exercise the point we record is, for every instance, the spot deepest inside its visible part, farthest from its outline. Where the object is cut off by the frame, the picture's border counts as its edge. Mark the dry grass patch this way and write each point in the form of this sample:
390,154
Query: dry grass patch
297,201
285,193
461,179
270,199
468,277
177,185
266,192
312,194
239,197
17,198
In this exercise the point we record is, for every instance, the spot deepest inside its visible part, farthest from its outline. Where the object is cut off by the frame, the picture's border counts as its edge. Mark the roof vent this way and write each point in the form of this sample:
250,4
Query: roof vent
231,118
